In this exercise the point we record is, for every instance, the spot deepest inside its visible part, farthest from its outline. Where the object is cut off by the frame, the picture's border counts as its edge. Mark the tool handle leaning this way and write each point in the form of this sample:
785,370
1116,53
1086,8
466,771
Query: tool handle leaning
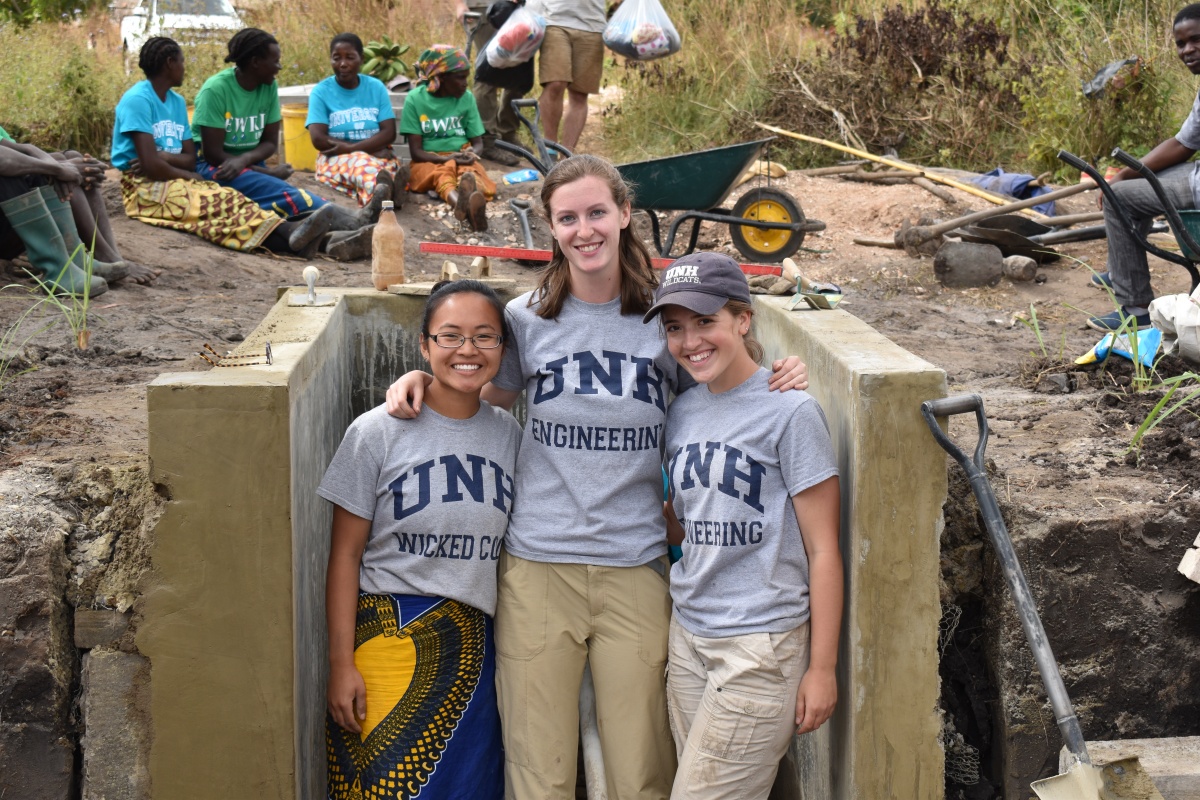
949,225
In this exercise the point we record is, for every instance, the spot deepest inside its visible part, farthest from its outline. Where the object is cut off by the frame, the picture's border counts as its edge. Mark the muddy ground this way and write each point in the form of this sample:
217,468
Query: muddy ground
1100,529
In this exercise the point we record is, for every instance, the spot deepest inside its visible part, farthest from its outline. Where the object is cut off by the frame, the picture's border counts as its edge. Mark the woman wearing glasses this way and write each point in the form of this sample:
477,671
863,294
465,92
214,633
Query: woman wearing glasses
421,508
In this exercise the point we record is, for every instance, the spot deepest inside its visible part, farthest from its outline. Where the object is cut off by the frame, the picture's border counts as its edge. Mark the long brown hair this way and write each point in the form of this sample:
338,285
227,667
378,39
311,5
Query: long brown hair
637,275
753,347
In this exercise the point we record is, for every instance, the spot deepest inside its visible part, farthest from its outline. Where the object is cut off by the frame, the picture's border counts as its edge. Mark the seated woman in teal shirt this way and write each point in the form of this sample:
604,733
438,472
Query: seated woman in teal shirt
352,125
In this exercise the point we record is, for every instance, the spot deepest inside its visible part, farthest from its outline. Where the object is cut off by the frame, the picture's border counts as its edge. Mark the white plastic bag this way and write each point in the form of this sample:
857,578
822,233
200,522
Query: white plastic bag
517,40
1178,317
641,30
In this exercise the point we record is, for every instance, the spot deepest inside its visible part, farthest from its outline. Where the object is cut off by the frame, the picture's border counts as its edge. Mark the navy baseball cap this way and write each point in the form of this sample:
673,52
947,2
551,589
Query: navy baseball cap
700,282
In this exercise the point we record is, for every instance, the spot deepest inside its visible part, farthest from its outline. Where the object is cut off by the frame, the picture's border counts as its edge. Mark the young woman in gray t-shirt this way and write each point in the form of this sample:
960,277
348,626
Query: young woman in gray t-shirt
421,507
755,503
582,576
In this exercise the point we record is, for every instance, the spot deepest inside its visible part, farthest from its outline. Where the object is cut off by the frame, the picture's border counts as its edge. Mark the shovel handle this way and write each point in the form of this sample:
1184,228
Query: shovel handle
993,521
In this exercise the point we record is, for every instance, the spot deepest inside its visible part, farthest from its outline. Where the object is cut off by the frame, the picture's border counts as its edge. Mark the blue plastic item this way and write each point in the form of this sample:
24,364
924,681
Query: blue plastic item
520,176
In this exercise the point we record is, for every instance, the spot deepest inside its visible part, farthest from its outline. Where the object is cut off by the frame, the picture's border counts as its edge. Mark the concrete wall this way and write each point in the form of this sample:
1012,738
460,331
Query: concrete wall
883,739
234,621
234,611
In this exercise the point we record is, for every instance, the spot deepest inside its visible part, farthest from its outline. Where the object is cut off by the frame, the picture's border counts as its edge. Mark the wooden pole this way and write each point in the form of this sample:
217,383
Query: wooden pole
891,162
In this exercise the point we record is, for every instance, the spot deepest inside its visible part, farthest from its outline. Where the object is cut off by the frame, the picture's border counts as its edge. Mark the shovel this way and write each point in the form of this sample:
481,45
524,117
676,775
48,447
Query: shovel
913,237
1120,780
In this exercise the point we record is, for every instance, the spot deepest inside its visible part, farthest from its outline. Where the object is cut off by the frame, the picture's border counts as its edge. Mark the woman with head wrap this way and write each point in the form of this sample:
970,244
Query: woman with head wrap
445,135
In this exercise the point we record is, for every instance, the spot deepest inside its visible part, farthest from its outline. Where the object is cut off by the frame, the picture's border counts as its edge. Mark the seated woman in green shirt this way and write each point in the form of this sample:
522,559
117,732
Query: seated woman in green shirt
445,135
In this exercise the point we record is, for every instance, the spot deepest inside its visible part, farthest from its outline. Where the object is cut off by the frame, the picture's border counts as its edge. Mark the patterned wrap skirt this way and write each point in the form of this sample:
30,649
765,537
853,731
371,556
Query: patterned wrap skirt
215,213
354,174
433,726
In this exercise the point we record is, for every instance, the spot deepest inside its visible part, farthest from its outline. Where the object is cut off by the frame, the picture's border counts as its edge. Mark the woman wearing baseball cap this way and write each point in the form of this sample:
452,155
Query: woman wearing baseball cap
755,503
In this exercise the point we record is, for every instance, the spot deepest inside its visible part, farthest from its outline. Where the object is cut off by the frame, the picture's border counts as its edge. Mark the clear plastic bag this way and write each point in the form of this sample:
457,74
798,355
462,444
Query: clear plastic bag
641,30
518,39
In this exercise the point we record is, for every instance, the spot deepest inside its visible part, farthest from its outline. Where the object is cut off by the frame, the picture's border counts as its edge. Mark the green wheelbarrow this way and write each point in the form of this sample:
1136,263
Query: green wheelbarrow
766,223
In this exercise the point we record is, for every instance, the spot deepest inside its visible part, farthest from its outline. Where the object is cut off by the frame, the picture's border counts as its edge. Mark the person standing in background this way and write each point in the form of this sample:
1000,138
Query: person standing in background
571,63
499,119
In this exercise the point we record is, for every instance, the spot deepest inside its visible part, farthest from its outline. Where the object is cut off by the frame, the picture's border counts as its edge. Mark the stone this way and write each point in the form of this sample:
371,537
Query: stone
100,626
116,721
37,658
1054,383
1019,268
1189,567
962,265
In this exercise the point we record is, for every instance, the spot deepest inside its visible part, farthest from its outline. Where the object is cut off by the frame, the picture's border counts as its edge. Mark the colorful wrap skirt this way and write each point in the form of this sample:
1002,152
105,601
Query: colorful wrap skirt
354,174
271,193
215,213
432,726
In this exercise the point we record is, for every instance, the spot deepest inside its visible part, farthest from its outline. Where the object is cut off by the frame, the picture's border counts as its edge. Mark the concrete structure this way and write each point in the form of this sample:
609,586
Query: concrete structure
233,619
883,739
114,688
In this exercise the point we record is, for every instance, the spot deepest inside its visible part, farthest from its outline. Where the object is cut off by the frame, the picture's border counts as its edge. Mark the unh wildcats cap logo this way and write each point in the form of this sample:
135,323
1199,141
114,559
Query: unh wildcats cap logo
700,282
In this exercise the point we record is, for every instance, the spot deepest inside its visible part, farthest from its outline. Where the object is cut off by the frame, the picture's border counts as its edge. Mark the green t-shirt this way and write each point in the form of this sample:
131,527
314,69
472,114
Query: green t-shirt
222,103
445,124
4,136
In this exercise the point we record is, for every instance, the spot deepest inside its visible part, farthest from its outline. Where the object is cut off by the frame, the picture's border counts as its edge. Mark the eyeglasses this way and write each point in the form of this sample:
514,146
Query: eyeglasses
453,341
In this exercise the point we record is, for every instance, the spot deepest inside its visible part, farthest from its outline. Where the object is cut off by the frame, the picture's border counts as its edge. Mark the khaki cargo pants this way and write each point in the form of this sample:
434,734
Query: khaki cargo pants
732,703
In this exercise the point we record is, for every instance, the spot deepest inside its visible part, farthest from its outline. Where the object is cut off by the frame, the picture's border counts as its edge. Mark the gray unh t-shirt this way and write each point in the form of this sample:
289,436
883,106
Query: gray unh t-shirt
589,477
1189,137
735,459
438,492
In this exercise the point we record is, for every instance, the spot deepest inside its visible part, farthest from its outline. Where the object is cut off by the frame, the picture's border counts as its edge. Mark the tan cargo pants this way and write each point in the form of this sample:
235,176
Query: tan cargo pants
732,703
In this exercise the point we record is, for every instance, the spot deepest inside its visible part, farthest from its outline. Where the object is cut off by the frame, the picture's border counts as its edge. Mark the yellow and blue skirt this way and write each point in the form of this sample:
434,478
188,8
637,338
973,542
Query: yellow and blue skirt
432,727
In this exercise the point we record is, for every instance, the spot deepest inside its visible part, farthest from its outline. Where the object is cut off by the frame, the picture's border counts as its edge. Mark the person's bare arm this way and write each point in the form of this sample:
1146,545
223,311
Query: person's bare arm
151,163
788,373
329,146
417,151
501,398
16,160
212,141
818,510
1165,154
346,694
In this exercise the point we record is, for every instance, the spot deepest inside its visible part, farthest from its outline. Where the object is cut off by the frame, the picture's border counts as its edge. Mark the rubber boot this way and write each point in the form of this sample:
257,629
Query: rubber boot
32,221
350,245
64,218
346,220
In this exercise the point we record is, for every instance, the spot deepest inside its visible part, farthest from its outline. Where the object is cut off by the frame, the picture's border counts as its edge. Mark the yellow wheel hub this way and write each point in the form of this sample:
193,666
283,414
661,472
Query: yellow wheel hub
766,240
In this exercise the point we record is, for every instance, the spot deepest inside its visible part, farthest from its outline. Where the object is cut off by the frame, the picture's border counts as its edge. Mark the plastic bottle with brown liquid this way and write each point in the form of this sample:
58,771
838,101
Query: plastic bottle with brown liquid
387,249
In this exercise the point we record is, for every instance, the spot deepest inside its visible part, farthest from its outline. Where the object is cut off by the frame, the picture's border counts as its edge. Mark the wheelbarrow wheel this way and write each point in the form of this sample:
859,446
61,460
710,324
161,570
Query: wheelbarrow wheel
764,204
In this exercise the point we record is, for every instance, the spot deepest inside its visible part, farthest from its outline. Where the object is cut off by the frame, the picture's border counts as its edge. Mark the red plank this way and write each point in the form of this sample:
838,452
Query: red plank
473,250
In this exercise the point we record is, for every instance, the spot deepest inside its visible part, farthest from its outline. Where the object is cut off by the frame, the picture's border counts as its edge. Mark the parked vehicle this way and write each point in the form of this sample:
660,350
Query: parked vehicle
186,21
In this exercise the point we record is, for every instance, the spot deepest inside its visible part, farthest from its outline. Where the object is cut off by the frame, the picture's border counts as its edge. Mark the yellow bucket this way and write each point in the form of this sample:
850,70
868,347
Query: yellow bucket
298,149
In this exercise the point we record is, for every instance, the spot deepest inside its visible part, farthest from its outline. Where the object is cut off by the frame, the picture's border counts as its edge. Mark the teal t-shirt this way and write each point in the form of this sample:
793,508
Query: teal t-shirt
4,136
141,111
445,124
351,114
222,103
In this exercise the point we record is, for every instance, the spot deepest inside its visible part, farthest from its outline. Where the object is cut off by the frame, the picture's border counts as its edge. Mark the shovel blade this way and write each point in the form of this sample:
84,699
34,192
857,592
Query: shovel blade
1124,779
1080,782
